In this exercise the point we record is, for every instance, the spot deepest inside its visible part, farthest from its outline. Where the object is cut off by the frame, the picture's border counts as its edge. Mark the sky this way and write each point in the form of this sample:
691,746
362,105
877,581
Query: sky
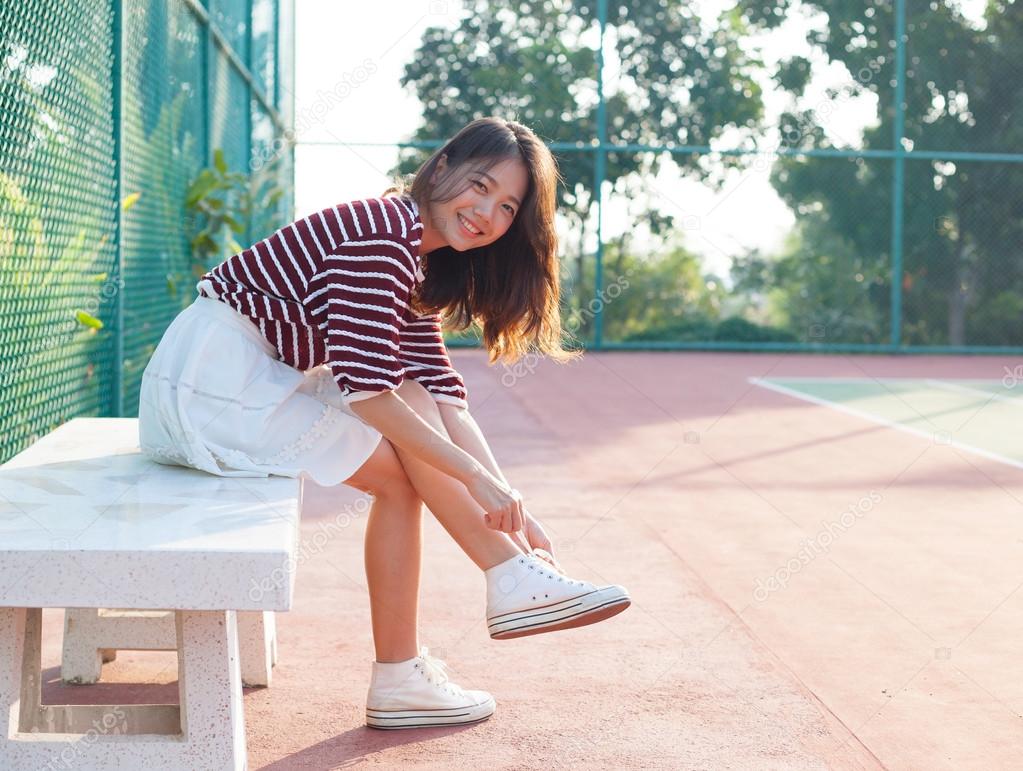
349,59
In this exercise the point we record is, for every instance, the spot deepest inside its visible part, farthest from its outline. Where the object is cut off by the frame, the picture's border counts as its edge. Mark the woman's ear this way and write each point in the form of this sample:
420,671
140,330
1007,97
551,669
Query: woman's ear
442,163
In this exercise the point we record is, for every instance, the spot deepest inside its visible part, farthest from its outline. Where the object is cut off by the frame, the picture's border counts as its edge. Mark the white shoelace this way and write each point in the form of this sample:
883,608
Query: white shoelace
546,559
434,667
554,571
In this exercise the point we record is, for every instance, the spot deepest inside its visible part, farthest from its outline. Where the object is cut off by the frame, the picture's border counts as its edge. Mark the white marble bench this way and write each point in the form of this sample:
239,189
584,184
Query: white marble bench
87,522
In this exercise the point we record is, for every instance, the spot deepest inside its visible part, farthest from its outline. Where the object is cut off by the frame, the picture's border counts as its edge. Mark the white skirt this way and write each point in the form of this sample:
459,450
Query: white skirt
215,397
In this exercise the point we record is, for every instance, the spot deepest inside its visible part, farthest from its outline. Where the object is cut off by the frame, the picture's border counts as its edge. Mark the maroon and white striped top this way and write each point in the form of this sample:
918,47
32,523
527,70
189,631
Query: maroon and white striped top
333,288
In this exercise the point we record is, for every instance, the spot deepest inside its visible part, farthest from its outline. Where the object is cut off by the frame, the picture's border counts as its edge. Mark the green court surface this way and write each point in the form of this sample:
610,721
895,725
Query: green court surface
984,417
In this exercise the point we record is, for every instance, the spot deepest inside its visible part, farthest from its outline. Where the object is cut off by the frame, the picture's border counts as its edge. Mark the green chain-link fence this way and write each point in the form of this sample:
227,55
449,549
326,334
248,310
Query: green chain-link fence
108,112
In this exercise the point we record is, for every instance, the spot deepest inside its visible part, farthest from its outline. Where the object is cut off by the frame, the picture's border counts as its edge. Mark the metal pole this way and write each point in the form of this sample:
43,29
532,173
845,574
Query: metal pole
292,11
898,170
117,93
208,73
600,169
250,96
276,96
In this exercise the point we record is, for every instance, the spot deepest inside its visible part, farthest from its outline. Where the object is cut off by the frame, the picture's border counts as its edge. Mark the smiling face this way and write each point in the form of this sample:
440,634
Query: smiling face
484,209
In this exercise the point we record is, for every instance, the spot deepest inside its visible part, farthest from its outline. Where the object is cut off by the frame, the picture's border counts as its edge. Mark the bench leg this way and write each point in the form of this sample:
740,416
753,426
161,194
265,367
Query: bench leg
12,645
257,641
206,732
271,621
210,683
92,633
80,661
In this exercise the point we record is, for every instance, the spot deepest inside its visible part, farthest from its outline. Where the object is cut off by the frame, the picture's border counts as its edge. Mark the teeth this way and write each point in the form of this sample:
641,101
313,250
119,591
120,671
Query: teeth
469,226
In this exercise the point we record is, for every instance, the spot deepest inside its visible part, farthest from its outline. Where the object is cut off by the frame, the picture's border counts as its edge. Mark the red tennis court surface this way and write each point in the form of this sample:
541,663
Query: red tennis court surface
810,589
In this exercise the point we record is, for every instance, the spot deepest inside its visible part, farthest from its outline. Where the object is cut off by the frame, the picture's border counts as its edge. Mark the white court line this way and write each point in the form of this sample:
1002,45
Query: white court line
931,437
949,386
826,380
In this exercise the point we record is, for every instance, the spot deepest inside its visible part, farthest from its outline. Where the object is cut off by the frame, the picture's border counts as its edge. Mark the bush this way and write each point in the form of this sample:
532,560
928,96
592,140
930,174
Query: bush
694,328
738,329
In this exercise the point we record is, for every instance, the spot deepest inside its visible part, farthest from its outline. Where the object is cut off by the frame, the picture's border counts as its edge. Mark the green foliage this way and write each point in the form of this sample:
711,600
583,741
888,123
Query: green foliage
643,293
738,329
830,292
963,225
998,321
695,328
224,205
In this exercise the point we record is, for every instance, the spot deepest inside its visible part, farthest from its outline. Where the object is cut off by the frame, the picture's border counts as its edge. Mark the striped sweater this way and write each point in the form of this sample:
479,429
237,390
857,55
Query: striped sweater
334,288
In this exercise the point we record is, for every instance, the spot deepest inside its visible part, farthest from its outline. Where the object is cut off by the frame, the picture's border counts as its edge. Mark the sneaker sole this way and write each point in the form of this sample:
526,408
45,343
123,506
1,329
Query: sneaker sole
567,614
391,719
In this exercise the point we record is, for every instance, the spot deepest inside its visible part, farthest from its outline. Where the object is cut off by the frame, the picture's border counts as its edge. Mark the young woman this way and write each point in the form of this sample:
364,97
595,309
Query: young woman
318,352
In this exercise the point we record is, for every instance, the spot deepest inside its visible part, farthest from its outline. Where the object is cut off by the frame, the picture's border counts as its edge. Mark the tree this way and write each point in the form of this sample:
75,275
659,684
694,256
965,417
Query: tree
963,221
534,61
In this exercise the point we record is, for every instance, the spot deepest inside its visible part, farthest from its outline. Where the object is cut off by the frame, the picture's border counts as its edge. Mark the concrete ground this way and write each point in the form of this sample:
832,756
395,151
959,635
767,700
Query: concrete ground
753,641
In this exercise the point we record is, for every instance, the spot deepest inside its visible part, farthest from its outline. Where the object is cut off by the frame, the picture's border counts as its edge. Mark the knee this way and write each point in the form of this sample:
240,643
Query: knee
384,476
400,491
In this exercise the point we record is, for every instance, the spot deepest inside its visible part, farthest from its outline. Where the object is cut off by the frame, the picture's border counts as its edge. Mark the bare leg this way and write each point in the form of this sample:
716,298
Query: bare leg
400,483
393,549
446,497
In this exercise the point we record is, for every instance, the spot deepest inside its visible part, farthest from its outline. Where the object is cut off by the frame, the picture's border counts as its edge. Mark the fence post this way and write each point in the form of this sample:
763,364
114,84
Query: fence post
209,70
898,170
117,93
600,169
250,97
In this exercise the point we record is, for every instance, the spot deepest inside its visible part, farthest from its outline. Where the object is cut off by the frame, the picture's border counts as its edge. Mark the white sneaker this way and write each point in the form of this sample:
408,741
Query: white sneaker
526,595
417,693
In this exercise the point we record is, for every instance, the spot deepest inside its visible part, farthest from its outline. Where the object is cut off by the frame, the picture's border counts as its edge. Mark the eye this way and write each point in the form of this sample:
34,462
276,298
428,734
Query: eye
483,189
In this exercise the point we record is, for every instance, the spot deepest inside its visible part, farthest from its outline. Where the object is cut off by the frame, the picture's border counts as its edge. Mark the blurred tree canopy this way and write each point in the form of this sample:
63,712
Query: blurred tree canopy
533,61
962,276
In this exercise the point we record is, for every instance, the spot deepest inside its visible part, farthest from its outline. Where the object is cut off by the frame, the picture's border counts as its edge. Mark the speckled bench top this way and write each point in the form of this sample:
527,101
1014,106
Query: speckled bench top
87,521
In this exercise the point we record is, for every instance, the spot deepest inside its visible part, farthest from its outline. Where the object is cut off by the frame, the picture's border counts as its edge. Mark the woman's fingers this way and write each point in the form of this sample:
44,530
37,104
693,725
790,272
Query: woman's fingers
520,540
516,513
510,518
500,521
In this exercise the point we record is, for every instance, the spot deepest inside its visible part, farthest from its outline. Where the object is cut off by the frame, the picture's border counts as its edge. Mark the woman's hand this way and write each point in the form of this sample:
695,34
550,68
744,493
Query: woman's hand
504,511
502,506
539,542
535,541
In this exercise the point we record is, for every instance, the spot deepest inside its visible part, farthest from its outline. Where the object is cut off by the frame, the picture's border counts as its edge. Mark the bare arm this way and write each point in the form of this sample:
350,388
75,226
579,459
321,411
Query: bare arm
466,433
391,416
404,427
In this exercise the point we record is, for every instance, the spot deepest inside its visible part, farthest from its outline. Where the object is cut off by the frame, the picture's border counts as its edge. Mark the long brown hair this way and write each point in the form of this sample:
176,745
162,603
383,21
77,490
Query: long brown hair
511,286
